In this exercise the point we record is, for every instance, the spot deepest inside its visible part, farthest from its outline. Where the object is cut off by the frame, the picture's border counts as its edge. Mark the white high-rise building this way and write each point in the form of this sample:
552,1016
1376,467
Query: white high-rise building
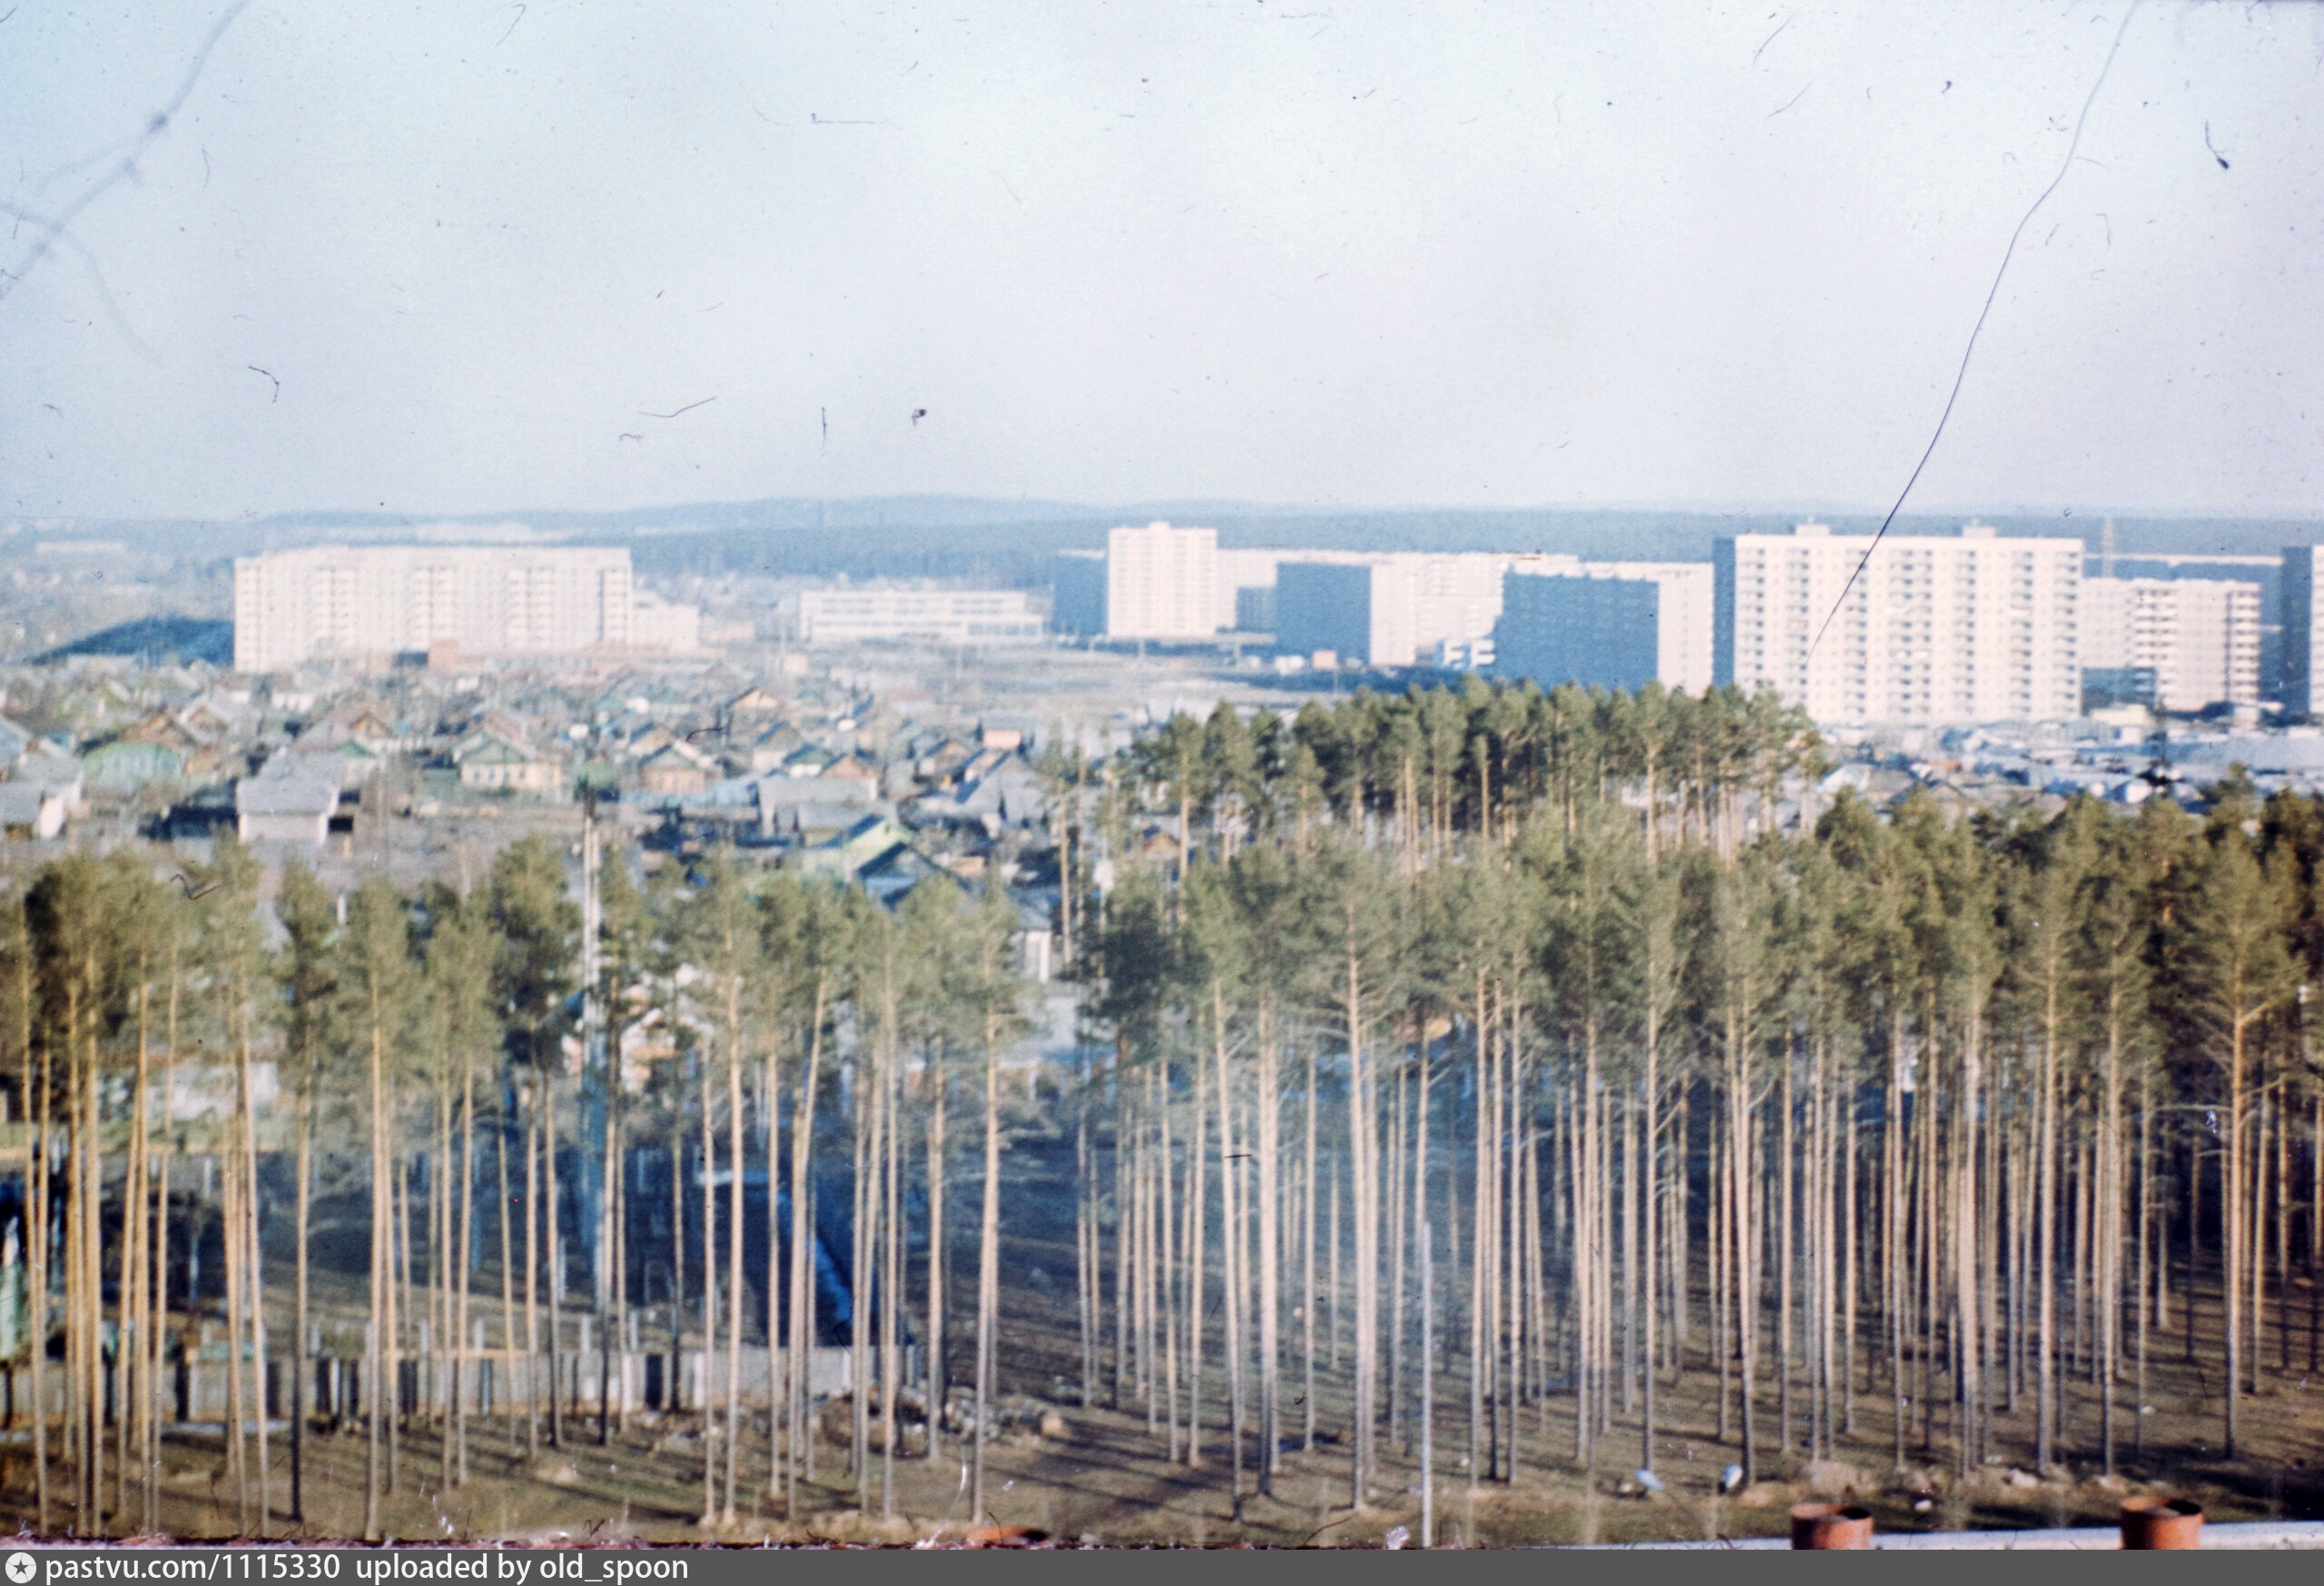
2201,636
1936,631
1608,625
1163,583
358,601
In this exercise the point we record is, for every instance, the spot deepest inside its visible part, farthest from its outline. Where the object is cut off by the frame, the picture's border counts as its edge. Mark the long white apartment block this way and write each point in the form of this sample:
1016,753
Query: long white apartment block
1393,608
2201,636
1163,583
951,617
324,601
1608,625
1936,630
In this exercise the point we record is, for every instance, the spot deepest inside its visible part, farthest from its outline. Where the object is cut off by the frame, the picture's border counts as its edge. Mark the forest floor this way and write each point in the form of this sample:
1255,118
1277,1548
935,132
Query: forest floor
1104,1476
1106,1479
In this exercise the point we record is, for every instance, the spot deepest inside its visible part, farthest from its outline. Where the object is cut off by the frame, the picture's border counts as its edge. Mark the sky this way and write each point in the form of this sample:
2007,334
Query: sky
446,258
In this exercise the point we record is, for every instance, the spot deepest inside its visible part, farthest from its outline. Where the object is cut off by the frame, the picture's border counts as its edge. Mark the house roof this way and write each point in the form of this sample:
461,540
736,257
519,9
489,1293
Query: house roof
496,750
290,793
677,755
21,802
47,765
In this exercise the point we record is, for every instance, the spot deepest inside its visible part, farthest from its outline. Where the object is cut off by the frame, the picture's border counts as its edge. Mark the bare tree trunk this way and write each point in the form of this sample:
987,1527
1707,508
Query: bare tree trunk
1332,1293
1165,1170
504,1383
1125,1195
940,1087
257,1262
398,1297
803,1299
2110,1242
532,1204
861,1277
1481,1246
1399,1307
778,1393
1785,1255
2146,1220
988,1268
892,1271
1197,1223
36,1234
1270,1104
2256,1255
375,1335
733,1273
1510,1209
1722,1267
1891,1191
1231,1277
1085,1244
553,1256
1367,1243
1746,1264
709,1149
1849,1282
1307,1296
1427,1370
2232,1241
463,1257
1419,1200
2046,1391
136,1314
235,1248
1651,1178
1964,1242
2283,1213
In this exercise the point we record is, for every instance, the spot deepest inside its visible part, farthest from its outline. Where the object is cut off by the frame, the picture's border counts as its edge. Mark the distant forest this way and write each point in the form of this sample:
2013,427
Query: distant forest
1013,542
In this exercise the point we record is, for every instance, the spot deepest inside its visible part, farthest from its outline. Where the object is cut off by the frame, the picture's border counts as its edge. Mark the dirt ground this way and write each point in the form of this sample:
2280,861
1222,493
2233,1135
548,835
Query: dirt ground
1105,1480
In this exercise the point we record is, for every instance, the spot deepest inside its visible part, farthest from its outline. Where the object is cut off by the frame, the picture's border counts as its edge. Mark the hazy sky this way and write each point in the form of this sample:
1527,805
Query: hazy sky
1298,250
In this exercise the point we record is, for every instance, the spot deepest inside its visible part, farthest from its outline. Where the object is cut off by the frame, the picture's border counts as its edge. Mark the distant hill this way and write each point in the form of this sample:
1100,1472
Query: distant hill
156,641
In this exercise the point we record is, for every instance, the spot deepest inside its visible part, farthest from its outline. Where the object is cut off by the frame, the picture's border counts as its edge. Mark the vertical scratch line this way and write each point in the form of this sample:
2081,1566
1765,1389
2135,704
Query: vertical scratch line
1961,374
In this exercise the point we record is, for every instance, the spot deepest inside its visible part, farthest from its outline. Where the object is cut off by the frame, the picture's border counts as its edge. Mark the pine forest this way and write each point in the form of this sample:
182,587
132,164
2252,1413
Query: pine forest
1509,1116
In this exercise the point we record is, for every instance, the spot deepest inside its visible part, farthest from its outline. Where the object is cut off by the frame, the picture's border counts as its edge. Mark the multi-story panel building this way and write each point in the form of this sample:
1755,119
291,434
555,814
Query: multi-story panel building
359,601
1163,583
2199,637
2303,676
2267,572
949,616
1395,609
1934,631
1078,603
1608,625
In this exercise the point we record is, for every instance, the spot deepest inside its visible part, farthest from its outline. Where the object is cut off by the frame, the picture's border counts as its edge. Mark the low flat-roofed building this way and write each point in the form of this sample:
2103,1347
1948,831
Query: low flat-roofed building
292,806
949,616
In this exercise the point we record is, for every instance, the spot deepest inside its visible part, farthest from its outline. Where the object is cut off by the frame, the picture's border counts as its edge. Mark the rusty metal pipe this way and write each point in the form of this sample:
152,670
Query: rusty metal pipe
2157,1523
1822,1527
